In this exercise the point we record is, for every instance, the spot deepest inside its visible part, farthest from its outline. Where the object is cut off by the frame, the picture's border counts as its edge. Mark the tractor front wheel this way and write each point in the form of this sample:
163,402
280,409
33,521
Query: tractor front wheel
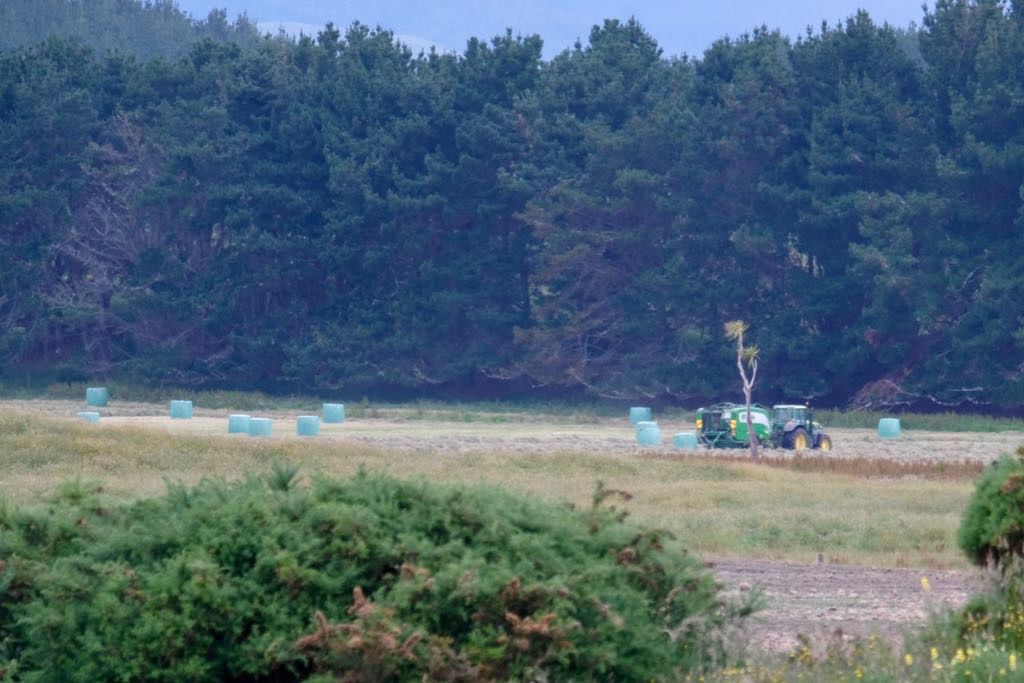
796,440
825,443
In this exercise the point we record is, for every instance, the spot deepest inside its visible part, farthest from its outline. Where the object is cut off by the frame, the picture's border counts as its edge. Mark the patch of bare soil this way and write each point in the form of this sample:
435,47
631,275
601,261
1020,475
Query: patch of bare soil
824,601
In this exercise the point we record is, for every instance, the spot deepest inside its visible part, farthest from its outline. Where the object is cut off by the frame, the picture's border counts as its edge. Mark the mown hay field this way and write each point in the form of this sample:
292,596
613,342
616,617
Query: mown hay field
870,501
458,431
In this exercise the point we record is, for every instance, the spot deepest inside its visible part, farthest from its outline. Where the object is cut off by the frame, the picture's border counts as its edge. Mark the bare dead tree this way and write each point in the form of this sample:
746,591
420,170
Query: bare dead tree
109,236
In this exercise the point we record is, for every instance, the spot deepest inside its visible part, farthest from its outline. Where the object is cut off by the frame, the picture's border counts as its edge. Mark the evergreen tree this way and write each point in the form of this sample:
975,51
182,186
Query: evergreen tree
340,212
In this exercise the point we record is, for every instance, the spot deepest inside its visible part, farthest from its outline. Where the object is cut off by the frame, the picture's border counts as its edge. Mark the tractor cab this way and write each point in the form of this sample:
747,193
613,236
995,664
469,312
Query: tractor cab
782,414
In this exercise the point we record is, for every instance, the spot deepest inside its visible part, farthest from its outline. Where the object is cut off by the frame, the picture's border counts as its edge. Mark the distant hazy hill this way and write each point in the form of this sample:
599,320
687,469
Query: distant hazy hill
145,29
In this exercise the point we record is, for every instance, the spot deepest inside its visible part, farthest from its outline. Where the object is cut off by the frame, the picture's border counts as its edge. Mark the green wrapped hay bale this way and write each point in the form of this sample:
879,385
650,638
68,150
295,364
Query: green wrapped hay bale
181,410
334,413
639,414
96,396
648,433
307,425
685,440
238,424
889,428
89,416
260,426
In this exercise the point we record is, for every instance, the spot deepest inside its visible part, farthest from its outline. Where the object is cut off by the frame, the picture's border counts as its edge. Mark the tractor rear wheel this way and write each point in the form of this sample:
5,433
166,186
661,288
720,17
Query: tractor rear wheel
796,440
825,443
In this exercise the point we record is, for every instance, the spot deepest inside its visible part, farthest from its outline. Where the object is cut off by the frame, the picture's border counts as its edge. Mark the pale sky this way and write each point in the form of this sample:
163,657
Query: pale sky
679,26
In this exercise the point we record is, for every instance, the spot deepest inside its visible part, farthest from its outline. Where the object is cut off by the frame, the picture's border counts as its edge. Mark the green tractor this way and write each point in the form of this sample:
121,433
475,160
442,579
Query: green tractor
793,427
724,425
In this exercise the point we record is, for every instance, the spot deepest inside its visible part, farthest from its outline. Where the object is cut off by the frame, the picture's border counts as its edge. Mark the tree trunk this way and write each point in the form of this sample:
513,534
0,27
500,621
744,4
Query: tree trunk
751,434
748,385
735,330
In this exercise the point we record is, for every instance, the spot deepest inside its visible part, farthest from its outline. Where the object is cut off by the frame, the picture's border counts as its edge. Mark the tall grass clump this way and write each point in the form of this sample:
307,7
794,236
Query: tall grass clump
364,579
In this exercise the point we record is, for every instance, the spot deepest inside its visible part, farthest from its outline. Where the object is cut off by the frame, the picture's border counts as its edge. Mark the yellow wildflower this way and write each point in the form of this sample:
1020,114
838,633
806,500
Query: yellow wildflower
935,653
1013,661
959,657
925,585
908,659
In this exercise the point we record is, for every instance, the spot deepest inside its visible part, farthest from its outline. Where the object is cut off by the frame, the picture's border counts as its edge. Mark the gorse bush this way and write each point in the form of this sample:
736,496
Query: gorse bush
992,532
365,579
992,529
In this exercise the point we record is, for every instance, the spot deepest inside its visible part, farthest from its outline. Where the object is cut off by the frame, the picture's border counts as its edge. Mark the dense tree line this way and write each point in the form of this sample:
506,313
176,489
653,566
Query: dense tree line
341,213
144,28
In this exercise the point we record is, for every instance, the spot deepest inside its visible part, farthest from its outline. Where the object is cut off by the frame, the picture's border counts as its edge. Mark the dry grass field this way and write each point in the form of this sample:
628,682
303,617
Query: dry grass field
876,513
869,501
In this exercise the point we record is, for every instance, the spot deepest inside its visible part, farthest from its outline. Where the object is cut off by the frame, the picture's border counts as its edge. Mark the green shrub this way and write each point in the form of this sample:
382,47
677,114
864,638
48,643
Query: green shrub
992,532
369,579
992,529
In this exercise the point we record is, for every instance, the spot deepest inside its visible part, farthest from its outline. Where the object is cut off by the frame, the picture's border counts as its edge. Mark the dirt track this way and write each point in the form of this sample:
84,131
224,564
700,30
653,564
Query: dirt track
826,600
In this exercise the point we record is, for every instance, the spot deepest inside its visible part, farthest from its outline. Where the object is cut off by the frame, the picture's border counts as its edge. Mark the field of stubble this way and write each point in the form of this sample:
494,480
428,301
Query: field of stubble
410,431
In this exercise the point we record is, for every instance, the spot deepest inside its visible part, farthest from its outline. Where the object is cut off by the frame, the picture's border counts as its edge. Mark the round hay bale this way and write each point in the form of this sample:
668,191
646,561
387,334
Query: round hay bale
307,425
889,428
648,433
685,440
261,426
89,416
334,413
96,396
639,414
181,410
238,424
